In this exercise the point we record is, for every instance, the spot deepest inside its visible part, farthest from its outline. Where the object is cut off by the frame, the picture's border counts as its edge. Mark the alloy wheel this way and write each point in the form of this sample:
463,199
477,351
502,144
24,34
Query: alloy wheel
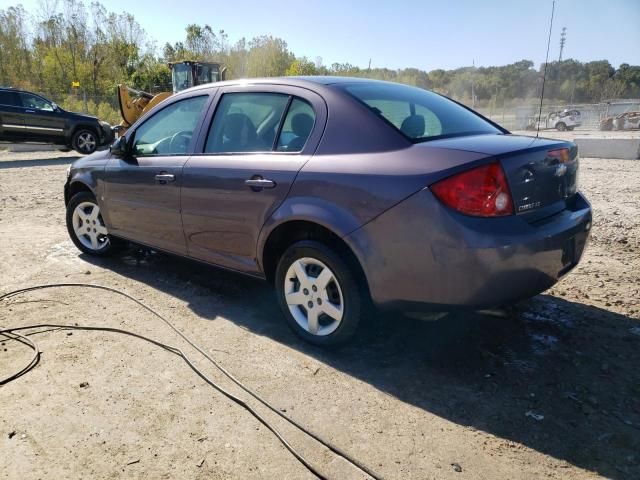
86,142
314,296
89,226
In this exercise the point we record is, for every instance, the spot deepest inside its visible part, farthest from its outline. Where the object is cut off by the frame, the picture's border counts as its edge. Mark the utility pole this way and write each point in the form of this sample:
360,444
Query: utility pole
563,40
473,87
369,67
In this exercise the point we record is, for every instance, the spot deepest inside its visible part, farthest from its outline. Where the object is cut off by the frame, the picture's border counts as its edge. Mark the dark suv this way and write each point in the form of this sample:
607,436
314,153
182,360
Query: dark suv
27,117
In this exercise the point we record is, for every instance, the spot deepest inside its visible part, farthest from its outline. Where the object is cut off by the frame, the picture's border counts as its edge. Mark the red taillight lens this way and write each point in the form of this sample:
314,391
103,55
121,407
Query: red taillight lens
482,192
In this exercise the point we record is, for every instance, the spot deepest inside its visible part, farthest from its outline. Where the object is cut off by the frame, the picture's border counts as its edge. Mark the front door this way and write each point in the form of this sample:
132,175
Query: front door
142,193
258,141
42,123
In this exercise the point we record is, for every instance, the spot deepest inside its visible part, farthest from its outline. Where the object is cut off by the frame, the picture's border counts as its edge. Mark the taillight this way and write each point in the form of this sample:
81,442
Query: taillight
481,191
562,154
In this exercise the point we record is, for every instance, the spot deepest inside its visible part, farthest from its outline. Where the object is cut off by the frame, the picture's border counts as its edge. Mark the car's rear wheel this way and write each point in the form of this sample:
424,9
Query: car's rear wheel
319,293
86,226
84,141
561,126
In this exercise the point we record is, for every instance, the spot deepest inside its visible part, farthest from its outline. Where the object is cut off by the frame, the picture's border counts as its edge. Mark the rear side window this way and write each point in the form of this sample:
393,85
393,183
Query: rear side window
9,98
418,114
297,126
246,122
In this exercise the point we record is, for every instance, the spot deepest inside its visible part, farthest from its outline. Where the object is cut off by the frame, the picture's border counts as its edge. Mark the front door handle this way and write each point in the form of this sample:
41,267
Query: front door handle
165,177
259,183
30,111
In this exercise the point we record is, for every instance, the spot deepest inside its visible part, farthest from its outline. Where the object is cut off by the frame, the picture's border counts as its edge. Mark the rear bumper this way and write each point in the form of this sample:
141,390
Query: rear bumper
422,256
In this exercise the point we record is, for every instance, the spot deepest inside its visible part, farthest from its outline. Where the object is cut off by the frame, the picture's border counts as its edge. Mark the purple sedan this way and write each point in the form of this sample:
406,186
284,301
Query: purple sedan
342,192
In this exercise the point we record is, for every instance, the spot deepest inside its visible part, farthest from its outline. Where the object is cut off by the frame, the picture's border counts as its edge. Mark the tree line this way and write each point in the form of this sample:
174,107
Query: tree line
71,41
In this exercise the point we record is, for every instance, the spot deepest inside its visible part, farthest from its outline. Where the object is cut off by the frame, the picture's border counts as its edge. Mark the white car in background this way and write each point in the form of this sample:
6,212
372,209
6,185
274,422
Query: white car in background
561,120
564,120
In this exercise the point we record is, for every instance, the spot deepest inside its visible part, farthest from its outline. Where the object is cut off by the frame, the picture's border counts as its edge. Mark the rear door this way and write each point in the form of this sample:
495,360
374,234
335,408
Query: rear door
41,121
142,193
258,139
11,124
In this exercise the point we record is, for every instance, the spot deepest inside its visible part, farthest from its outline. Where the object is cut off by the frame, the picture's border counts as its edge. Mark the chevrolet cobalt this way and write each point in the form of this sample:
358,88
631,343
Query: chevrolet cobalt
342,192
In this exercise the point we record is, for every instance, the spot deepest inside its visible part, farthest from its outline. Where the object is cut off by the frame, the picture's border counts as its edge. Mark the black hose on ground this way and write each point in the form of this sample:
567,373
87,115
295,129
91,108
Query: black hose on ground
10,333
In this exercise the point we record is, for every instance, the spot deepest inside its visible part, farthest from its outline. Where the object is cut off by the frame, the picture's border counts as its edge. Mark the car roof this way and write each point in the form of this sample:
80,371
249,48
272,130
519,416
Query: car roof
311,82
17,90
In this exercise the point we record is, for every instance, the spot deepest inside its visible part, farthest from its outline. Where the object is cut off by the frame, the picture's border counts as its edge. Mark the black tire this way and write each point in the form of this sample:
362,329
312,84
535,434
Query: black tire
353,295
84,141
107,245
561,126
570,129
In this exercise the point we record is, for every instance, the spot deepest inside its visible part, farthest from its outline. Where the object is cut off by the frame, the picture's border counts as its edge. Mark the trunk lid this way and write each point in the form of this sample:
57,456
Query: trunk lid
540,183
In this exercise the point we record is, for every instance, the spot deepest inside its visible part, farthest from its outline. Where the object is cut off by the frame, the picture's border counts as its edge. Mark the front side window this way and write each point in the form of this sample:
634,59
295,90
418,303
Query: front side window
169,131
33,101
418,114
246,122
297,126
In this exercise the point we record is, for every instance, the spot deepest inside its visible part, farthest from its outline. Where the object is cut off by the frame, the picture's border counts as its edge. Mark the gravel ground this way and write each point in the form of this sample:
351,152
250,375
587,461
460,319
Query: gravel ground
552,391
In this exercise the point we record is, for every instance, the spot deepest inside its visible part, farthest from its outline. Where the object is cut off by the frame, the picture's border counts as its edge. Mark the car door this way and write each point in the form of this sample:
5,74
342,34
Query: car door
11,124
42,122
258,140
142,191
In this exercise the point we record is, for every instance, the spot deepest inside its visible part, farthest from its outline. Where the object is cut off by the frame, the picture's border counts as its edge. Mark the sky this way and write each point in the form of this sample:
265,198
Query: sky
425,34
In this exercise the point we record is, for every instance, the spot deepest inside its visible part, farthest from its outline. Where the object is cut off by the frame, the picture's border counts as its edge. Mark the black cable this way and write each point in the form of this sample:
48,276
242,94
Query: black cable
180,353
32,363
228,374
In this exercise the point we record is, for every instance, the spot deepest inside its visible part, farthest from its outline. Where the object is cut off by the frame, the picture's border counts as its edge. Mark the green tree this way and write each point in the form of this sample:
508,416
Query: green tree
301,66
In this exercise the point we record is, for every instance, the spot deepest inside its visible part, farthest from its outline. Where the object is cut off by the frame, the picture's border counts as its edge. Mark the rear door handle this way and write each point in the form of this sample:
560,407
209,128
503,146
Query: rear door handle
165,177
259,183
30,111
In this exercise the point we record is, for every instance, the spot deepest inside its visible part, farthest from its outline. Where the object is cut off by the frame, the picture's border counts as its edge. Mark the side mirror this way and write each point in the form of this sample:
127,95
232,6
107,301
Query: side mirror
55,106
120,148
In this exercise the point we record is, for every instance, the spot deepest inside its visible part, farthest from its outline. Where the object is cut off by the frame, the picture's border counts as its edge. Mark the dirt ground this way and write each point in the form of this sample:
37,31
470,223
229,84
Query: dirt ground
553,391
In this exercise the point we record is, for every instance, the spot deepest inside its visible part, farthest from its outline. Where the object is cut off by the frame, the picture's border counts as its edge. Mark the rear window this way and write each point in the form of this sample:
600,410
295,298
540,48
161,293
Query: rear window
418,114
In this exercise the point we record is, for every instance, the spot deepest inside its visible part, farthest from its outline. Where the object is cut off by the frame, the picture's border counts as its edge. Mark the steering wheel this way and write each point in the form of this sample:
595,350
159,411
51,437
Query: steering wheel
180,141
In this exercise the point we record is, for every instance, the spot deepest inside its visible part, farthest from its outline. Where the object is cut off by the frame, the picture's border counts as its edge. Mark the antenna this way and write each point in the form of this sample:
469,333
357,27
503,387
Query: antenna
546,62
563,40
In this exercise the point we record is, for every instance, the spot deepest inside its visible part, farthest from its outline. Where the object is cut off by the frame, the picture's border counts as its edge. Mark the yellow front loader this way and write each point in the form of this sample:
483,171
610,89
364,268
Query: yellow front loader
135,103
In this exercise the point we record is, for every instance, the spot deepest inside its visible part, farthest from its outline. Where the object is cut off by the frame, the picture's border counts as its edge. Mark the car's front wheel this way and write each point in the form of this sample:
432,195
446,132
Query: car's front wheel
84,141
319,293
86,226
561,126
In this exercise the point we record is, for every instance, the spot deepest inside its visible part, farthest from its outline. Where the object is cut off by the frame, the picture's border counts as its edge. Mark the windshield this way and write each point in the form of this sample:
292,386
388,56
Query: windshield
418,114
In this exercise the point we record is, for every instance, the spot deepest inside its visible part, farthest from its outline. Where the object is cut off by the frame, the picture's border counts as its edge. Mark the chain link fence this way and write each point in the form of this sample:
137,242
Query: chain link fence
591,114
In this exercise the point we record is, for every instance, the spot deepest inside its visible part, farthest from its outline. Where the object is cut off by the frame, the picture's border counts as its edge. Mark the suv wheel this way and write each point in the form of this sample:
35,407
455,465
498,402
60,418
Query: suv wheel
86,227
84,141
318,293
561,126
